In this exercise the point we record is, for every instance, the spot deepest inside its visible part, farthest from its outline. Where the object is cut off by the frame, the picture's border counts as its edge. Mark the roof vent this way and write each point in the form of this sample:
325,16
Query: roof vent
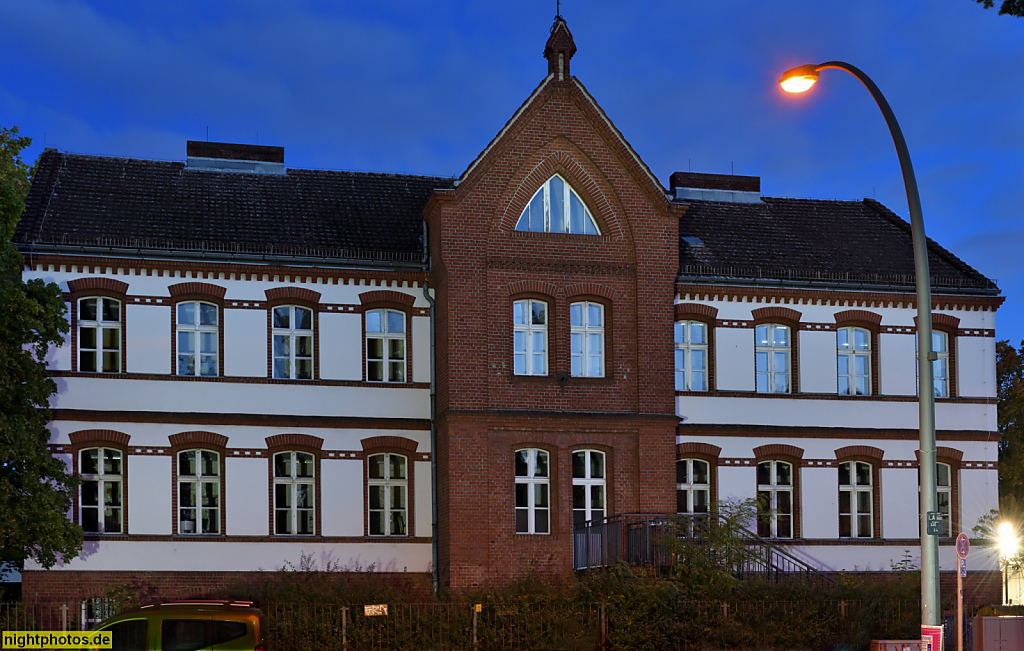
728,188
230,157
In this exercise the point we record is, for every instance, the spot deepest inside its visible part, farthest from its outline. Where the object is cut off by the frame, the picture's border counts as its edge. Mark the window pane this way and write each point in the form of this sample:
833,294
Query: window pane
701,501
576,314
579,464
541,469
111,310
377,497
398,524
111,338
396,321
781,335
374,321
844,526
187,463
860,364
282,317
208,342
862,386
282,345
519,313
863,474
522,521
376,523
87,309
597,497
576,218
208,366
211,463
397,497
87,338
942,474
522,495
761,362
781,383
303,319
186,342
863,502
597,465
784,502
784,474
539,312
283,464
697,360
680,332
844,385
111,362
90,493
682,472
681,502
521,461
303,346
90,461
91,520
764,473
864,526
187,494
304,496
282,496
540,520
376,466
539,341
556,200
396,348
283,521
761,335
112,462
697,333
282,368
186,313
845,502
306,526
207,314
700,471
397,466
595,315
537,212
303,464
844,474
303,369
844,364
861,339
843,338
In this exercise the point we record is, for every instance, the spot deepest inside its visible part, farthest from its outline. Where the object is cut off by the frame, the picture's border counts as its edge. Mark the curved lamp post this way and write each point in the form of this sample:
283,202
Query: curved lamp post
798,80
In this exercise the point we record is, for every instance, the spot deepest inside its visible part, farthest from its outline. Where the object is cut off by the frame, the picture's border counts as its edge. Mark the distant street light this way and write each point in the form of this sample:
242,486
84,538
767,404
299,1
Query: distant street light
799,80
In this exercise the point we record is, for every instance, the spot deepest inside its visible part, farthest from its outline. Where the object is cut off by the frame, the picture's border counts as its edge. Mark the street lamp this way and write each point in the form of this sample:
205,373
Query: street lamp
798,80
1008,545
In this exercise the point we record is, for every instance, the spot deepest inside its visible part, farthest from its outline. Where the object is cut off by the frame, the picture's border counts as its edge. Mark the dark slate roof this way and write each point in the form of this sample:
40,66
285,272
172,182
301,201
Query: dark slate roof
811,241
117,203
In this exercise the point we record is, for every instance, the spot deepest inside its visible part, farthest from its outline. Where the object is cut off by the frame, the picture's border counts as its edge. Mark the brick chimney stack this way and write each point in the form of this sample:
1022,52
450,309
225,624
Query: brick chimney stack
559,49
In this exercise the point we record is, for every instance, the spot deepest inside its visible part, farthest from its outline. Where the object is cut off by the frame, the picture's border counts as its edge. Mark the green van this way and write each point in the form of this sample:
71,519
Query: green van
188,626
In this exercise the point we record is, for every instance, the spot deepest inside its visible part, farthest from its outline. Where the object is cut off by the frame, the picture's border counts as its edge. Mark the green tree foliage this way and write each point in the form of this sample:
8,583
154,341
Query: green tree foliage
1008,7
35,489
1010,391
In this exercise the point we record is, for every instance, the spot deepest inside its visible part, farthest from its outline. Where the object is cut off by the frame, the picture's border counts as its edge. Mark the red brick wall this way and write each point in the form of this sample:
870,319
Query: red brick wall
484,411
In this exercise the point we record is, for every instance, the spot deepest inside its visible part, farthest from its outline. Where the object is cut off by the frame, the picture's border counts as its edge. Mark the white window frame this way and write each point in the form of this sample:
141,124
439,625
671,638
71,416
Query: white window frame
394,349
100,325
687,487
689,378
945,490
108,484
532,498
289,488
586,340
940,367
849,351
774,355
589,486
387,507
293,336
768,520
546,202
534,362
198,334
854,490
198,482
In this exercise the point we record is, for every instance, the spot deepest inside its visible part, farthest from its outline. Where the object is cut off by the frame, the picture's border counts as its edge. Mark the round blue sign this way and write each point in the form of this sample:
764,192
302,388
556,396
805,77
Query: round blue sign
963,545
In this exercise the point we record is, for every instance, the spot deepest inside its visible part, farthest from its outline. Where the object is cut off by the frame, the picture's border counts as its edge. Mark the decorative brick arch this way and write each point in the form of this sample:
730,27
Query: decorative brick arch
532,287
197,290
385,296
399,443
779,450
294,441
590,289
696,449
198,439
290,294
864,451
777,313
857,317
96,285
554,160
697,312
90,437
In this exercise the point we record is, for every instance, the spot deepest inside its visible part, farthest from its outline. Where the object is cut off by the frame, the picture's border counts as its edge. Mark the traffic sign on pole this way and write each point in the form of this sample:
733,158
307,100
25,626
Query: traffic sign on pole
963,545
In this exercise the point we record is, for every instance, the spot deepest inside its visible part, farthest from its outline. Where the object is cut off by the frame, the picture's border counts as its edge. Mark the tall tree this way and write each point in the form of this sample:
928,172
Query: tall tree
1008,7
35,488
1010,390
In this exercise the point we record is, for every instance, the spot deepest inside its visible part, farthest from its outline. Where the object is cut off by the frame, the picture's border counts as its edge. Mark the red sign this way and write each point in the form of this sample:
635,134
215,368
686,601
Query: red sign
963,545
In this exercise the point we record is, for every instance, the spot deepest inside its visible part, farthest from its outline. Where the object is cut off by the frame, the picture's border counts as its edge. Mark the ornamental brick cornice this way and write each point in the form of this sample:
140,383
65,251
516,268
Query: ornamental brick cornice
691,448
389,442
387,296
197,289
700,310
300,294
773,450
198,439
305,441
860,451
863,316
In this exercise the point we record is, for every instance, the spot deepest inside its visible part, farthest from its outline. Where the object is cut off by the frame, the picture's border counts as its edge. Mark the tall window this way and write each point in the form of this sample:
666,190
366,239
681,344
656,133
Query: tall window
771,358
588,486
197,338
586,324
293,342
693,486
530,337
198,492
556,208
691,356
856,509
102,479
854,357
775,499
294,492
532,495
388,481
944,482
385,346
99,335
940,367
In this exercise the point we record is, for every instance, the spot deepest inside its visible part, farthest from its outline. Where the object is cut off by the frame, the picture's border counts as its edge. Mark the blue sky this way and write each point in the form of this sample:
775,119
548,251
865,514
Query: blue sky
421,87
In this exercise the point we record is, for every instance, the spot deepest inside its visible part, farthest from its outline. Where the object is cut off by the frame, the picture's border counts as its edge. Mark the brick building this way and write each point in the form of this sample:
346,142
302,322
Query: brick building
418,374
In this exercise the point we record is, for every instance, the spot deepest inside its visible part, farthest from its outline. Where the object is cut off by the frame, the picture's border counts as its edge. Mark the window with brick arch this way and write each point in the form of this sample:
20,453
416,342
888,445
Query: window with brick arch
775,499
294,493
385,346
586,346
99,335
772,350
691,338
198,492
853,349
388,484
588,486
532,491
292,342
100,493
530,337
557,208
693,486
197,329
856,500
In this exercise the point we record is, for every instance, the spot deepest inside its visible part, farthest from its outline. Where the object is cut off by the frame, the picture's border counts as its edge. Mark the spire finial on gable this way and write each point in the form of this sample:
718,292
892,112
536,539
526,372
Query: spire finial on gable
559,49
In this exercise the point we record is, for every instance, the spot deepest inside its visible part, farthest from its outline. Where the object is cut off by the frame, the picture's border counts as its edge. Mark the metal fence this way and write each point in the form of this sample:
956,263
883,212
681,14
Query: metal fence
542,624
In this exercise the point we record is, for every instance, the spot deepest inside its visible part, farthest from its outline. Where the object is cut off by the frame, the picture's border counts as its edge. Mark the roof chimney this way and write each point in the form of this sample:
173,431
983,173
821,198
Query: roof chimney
231,157
716,187
559,49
